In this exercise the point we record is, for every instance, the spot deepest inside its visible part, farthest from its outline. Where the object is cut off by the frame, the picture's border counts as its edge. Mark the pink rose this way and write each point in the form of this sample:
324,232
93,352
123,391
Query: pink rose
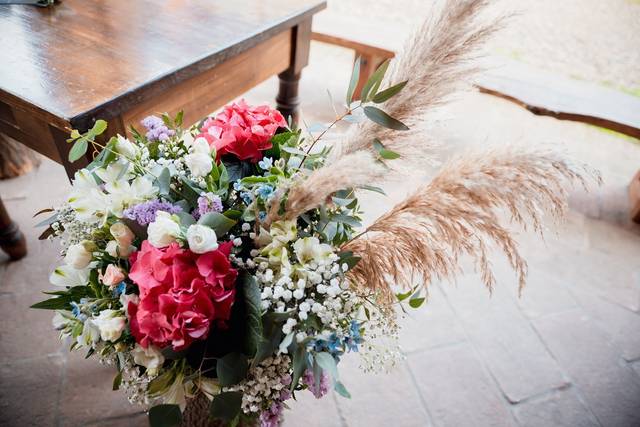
112,276
182,294
242,130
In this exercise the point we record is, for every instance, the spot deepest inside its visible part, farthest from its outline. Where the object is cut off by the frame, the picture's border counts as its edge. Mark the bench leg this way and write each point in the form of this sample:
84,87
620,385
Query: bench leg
12,241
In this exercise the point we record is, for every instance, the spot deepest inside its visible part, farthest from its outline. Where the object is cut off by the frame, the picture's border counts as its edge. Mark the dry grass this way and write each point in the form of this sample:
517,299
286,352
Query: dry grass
436,61
457,213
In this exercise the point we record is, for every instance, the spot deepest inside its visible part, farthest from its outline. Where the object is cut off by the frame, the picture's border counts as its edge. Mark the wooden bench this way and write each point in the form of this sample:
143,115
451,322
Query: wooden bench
538,91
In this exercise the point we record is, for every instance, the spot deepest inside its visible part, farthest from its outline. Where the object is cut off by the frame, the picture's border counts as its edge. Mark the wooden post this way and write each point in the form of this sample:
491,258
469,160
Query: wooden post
634,197
287,100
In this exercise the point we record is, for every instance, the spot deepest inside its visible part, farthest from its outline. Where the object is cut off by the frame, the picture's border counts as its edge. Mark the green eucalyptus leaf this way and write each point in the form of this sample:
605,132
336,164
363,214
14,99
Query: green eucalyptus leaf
373,188
117,381
374,81
404,296
98,127
355,75
378,116
389,92
165,416
186,219
342,390
164,180
300,364
253,303
220,223
383,152
327,363
231,369
226,406
416,302
78,149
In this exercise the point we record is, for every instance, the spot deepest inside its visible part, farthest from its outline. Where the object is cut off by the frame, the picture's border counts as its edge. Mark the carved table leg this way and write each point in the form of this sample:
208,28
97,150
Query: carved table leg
12,240
287,99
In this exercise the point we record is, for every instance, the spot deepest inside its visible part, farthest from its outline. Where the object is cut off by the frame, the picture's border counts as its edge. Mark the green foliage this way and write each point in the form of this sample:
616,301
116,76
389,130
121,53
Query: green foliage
165,416
226,406
371,86
163,181
383,119
63,299
355,76
81,141
219,222
383,152
231,369
251,293
413,295
117,380
388,93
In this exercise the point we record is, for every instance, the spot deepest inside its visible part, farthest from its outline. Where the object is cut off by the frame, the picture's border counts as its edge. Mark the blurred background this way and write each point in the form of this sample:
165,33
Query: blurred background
565,353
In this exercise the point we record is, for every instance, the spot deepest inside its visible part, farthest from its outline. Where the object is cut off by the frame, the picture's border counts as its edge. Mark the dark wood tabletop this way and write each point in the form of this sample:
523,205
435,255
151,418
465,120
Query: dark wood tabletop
84,57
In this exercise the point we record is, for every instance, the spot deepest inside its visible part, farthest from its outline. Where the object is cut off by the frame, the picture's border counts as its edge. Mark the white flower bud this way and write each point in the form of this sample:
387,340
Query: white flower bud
123,234
150,357
79,255
126,147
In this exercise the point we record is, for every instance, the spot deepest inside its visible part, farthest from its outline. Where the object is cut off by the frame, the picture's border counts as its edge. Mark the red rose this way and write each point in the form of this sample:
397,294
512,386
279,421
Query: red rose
181,294
242,130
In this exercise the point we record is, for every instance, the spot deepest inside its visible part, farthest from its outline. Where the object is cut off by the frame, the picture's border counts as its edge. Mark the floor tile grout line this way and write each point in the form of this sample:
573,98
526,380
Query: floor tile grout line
577,390
423,402
504,399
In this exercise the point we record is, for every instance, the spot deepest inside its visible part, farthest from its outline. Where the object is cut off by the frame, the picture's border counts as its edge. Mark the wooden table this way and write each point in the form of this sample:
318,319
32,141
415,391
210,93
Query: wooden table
66,66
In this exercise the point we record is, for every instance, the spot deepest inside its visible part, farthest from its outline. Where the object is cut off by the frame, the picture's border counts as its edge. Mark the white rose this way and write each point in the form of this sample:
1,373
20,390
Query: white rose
110,323
123,234
126,147
199,164
79,255
199,161
90,334
201,239
163,231
150,357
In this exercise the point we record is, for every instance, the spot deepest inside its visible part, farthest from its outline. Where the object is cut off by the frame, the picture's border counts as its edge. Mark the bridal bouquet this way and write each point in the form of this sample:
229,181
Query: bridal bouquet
228,260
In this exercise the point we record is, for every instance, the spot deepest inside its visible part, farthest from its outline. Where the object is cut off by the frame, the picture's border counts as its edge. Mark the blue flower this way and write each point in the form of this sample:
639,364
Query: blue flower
266,163
237,185
352,341
77,311
262,215
120,289
265,192
246,196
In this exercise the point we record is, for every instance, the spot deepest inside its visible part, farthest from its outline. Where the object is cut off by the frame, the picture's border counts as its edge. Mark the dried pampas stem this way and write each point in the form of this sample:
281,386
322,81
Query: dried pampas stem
458,213
354,170
435,61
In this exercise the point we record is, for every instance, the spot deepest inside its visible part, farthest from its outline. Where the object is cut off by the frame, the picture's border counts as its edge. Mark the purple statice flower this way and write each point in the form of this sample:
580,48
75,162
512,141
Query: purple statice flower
309,380
156,129
145,213
208,202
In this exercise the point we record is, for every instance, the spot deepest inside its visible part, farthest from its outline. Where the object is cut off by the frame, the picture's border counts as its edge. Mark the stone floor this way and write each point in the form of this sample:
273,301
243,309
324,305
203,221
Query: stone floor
565,353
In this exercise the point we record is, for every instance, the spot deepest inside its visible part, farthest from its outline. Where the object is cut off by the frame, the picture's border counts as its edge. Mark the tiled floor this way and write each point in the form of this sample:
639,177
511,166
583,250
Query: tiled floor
566,353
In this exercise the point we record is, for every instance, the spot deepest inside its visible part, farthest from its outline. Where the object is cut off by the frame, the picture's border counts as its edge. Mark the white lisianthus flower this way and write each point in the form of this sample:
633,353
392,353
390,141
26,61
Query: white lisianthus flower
201,239
150,357
164,230
60,319
310,249
90,334
199,161
79,255
126,147
67,276
115,171
110,323
175,393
